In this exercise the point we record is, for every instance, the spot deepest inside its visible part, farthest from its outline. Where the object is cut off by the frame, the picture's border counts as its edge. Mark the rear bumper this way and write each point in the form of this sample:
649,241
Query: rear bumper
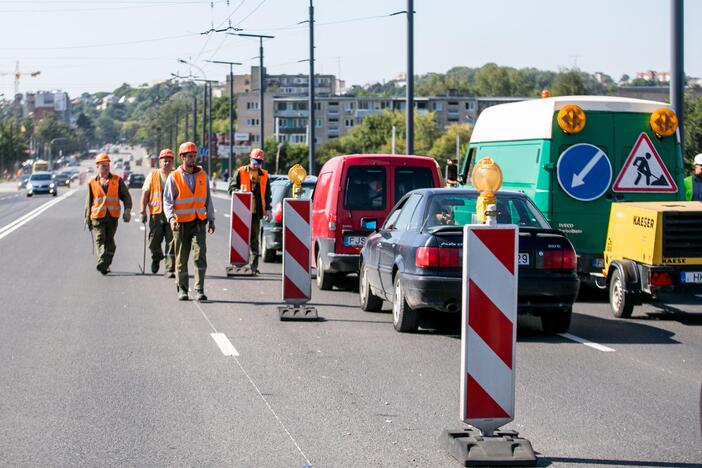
342,263
534,295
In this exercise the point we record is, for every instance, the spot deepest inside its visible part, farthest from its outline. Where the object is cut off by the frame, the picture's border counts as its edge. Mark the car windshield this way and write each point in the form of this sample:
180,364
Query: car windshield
458,209
137,176
40,177
307,190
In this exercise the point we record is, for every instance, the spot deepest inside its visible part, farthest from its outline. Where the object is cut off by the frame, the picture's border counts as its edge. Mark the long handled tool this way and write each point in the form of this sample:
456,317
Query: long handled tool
143,268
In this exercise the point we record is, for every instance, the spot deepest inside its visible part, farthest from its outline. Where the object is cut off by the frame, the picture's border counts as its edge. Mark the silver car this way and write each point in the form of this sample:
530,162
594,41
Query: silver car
41,182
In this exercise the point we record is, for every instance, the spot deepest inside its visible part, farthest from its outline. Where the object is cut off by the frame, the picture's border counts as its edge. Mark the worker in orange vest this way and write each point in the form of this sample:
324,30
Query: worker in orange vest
159,228
102,210
187,203
253,178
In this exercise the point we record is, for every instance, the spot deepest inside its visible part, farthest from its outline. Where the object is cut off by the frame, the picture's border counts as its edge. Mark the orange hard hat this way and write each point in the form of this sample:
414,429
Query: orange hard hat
166,153
187,147
257,153
102,158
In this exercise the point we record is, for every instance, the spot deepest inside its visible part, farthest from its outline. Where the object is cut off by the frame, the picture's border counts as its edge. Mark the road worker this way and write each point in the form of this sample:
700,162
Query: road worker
187,203
253,178
159,227
693,182
102,210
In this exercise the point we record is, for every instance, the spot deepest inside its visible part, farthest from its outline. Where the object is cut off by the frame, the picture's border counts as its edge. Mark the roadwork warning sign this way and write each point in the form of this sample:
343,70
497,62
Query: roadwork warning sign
644,170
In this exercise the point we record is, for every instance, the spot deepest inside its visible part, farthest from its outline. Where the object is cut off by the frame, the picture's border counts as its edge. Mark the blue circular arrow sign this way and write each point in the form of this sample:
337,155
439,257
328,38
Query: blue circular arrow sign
584,172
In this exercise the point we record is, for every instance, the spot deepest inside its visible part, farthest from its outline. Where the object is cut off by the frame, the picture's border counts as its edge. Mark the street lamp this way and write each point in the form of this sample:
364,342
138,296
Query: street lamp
51,144
231,108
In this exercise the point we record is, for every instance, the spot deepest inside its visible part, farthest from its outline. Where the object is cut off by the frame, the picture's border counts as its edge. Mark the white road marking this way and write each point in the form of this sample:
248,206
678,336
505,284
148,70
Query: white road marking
21,221
224,344
592,344
142,228
226,216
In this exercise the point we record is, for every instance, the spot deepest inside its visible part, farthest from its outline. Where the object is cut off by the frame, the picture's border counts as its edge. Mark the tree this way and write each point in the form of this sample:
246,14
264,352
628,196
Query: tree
493,80
12,147
568,83
444,147
624,79
693,129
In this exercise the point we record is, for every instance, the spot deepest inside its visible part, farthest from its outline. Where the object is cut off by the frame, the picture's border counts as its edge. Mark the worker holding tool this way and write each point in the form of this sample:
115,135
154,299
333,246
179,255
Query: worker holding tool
159,228
102,210
187,203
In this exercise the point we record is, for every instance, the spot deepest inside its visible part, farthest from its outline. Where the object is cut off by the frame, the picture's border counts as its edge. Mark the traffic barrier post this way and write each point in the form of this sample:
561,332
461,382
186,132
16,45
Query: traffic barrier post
297,281
239,232
488,345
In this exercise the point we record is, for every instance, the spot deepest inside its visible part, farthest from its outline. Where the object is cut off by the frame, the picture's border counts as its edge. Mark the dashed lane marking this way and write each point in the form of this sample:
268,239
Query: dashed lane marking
21,221
591,344
224,344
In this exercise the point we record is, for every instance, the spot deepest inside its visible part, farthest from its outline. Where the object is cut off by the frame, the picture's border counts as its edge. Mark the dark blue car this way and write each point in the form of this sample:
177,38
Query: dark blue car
415,259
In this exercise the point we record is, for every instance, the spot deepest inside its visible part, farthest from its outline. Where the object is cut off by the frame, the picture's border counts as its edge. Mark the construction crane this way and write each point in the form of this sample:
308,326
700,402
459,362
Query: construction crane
18,74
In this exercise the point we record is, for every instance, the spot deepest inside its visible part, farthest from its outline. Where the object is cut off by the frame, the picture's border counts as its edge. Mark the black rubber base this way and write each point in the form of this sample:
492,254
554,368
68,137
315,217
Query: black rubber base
503,448
300,313
243,270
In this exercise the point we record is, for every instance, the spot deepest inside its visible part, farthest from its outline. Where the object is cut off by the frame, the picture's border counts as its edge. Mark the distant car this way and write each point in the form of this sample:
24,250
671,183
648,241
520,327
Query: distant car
41,182
414,260
271,240
73,173
63,179
22,182
135,180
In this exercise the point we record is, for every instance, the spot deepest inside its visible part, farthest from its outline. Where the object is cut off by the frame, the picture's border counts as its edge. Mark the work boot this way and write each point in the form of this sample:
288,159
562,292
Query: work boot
182,295
200,296
102,269
154,266
169,274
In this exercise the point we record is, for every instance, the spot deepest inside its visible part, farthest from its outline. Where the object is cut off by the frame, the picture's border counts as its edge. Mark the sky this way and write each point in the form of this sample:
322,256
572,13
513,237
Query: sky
96,45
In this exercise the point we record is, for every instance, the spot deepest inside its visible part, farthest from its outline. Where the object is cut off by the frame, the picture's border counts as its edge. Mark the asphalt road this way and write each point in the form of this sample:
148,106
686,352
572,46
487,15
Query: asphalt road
114,370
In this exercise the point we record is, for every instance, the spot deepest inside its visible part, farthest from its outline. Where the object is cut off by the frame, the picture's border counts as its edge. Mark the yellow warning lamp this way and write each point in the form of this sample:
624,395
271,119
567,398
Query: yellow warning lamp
487,179
571,119
545,93
664,122
296,175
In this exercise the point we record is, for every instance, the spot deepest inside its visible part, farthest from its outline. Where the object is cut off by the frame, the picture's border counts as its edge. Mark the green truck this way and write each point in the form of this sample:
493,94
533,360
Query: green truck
575,155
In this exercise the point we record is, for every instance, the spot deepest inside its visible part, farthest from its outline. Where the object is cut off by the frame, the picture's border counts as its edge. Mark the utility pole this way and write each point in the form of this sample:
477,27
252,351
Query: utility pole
209,133
311,91
231,109
410,77
261,80
204,116
677,68
194,114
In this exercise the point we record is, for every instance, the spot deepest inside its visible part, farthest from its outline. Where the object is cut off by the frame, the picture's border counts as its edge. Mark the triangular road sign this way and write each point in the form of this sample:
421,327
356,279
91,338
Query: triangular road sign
644,170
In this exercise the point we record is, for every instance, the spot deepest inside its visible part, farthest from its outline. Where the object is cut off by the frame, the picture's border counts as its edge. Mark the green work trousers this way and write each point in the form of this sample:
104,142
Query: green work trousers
254,241
105,230
191,236
160,230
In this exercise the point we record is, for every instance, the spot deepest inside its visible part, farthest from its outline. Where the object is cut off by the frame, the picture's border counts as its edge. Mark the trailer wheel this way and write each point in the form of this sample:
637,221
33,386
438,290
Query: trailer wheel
622,303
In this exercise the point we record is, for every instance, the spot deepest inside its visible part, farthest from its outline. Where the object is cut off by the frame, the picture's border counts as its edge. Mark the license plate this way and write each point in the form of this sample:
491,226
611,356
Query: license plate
354,241
691,276
523,258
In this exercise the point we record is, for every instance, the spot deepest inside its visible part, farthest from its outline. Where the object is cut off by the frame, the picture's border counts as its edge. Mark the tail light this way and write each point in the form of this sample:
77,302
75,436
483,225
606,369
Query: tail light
278,212
436,257
560,260
332,222
661,278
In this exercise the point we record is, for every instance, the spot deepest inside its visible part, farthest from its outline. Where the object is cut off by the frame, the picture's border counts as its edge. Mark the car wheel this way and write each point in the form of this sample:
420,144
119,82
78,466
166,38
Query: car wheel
556,321
55,193
621,302
403,317
324,280
369,301
268,254
29,194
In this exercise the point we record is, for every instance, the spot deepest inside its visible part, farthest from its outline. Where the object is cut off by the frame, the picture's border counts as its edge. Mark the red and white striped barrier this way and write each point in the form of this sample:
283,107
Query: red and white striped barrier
297,239
240,232
489,327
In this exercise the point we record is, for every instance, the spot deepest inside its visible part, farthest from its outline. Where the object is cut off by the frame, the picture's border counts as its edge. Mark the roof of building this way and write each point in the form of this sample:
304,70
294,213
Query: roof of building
533,119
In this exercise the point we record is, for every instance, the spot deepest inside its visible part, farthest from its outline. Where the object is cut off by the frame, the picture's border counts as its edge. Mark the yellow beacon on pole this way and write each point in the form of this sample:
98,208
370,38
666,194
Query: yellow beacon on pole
297,175
487,179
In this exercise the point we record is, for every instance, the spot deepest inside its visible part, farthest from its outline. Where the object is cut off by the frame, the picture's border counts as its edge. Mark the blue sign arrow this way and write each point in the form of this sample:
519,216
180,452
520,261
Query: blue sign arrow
584,172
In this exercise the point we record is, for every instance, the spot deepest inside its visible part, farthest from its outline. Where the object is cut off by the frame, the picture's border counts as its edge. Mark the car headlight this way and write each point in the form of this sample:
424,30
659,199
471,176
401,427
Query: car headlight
29,186
52,185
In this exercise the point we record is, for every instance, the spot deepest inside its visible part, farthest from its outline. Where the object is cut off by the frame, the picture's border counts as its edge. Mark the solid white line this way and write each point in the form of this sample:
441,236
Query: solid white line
592,344
224,344
19,222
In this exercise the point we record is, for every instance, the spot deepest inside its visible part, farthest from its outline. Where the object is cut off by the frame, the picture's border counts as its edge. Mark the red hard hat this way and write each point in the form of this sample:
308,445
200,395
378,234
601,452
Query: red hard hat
166,153
187,147
102,158
257,153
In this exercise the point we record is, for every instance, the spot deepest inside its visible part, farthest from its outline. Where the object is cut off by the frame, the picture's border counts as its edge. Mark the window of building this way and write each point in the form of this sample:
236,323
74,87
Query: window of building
252,105
470,106
363,105
318,123
421,105
438,106
348,106
348,123
280,106
318,105
333,119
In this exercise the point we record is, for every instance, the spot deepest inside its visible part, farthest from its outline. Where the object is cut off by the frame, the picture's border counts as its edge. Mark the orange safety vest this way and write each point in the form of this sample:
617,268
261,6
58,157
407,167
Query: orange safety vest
187,204
155,193
102,203
245,179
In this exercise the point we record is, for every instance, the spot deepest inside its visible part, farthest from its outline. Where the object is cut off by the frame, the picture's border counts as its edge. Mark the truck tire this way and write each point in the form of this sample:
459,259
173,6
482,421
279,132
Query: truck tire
268,254
404,319
622,303
369,301
325,279
554,322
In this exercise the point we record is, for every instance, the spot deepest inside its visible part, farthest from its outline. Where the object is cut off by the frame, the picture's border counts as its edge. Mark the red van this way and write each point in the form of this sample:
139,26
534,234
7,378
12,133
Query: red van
353,195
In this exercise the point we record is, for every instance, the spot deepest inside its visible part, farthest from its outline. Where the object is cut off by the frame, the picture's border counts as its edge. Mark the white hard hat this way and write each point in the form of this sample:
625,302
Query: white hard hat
698,160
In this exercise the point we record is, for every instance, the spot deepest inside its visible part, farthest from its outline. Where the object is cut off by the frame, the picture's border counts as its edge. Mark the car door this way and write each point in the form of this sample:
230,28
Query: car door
392,245
384,247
